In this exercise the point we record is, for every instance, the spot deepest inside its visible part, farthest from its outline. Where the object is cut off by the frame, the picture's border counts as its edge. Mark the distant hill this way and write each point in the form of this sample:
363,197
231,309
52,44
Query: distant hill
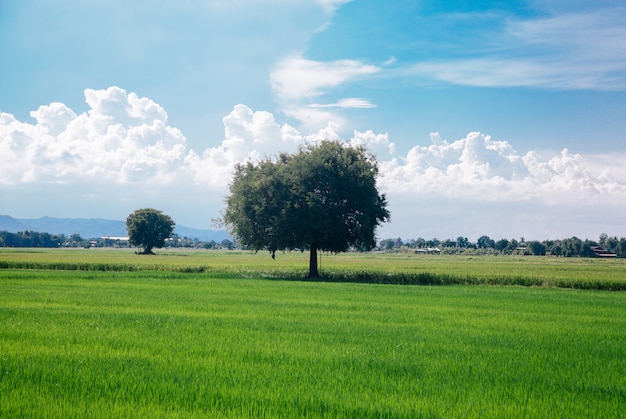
95,227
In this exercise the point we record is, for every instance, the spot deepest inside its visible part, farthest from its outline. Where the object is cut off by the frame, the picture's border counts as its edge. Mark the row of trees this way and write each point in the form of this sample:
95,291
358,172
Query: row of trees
45,240
31,239
485,245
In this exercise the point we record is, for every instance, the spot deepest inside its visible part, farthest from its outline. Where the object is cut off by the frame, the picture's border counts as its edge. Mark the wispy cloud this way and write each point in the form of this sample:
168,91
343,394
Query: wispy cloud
502,72
570,51
297,78
347,103
297,81
331,5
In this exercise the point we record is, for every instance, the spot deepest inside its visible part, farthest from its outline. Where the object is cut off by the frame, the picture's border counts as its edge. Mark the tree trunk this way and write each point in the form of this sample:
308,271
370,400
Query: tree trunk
313,273
147,251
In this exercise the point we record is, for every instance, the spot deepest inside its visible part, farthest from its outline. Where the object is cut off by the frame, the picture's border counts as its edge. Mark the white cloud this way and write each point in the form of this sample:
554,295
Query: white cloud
480,168
122,138
377,144
488,72
328,6
54,117
581,50
123,152
390,61
297,81
477,185
331,5
596,35
250,136
347,103
297,78
125,139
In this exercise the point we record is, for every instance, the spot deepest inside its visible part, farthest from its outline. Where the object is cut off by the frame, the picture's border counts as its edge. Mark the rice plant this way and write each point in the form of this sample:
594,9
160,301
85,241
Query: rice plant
162,343
404,269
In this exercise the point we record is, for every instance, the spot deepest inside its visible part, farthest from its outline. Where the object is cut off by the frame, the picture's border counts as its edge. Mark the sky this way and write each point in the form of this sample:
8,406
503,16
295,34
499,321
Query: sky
497,118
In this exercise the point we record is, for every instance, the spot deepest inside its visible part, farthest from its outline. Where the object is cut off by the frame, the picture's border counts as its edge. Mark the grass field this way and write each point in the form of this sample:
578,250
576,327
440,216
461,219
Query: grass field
582,273
215,334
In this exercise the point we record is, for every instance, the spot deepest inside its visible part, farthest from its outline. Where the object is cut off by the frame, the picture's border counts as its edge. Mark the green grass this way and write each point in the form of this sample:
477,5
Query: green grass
159,340
582,273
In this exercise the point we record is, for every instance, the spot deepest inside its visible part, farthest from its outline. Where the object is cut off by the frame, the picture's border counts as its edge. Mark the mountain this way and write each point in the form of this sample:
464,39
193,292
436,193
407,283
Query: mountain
95,227
11,224
86,227
202,235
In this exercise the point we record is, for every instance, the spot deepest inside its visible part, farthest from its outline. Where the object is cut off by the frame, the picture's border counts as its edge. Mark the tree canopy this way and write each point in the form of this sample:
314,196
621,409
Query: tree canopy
322,198
149,228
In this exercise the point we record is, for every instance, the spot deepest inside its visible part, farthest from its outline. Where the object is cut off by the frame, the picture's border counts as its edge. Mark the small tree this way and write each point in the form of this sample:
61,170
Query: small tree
148,228
537,248
484,242
322,198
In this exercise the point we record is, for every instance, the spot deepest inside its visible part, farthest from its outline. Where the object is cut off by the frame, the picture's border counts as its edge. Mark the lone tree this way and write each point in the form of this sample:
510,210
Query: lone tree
322,198
148,228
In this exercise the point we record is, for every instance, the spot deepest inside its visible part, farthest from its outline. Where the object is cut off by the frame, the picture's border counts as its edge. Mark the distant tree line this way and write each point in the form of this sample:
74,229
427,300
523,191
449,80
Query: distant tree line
30,239
36,239
186,242
484,245
572,247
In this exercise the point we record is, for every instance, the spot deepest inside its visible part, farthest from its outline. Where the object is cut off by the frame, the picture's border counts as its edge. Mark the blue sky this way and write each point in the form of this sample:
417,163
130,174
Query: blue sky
504,118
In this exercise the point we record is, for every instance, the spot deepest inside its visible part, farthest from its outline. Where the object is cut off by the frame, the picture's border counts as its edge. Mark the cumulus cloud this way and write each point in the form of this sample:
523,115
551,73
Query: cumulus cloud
249,136
377,144
123,150
54,117
477,185
480,168
122,138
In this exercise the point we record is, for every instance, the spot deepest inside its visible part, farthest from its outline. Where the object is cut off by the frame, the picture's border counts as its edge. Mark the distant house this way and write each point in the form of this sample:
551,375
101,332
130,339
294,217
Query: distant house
602,253
428,250
522,250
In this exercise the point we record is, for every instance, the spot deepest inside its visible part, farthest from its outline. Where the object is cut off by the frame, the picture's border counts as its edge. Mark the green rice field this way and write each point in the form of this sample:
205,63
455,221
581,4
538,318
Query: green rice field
581,273
106,333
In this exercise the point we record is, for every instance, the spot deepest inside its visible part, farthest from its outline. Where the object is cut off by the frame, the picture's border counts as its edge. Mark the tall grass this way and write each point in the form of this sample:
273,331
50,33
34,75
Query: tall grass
168,344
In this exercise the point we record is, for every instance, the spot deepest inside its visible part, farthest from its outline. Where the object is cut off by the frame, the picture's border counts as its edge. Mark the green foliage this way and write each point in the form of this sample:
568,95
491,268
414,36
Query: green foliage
163,344
537,248
31,239
149,228
571,247
322,198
